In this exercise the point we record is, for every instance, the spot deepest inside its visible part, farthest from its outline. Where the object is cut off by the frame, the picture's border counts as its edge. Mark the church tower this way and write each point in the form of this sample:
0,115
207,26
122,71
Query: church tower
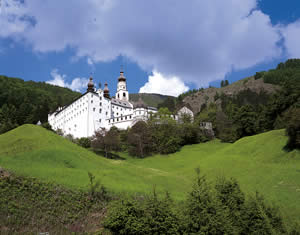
122,93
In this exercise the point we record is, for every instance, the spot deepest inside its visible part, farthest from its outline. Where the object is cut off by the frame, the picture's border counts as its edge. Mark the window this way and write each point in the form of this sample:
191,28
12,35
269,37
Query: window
106,113
100,110
100,103
99,120
91,101
94,109
124,95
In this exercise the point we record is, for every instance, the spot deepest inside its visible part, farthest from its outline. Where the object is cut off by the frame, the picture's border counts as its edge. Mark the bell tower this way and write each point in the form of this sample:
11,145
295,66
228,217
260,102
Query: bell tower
122,93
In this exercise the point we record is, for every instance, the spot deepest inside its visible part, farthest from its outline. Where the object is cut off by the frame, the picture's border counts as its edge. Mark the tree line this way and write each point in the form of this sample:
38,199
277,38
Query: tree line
161,134
249,113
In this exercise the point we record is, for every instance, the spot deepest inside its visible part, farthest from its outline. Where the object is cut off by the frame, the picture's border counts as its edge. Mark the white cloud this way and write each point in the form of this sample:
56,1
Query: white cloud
11,18
291,35
77,84
198,41
159,84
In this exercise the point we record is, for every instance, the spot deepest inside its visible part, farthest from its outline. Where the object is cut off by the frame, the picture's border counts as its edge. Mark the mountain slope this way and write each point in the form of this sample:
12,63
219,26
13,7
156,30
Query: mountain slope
152,100
258,162
196,100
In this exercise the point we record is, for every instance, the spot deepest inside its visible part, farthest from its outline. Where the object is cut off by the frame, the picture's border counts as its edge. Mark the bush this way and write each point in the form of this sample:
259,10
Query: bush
47,126
150,215
166,136
189,133
29,206
203,213
84,142
222,209
293,129
259,75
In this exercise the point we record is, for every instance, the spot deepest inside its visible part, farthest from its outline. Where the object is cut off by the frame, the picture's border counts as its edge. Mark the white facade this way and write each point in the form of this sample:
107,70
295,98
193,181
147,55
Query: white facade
185,111
94,110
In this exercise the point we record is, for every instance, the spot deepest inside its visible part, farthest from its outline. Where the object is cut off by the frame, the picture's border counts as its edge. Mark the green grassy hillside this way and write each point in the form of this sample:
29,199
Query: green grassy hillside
258,162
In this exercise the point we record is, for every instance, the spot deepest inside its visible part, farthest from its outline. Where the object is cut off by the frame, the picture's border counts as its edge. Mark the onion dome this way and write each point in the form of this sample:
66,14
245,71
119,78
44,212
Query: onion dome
122,78
106,91
91,85
140,104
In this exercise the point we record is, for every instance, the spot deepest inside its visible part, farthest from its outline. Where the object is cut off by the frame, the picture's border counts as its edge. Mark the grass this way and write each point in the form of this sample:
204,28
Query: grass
257,162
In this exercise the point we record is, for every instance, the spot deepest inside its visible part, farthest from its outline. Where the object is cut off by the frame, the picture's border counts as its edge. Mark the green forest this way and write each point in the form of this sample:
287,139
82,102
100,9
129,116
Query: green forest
249,113
29,102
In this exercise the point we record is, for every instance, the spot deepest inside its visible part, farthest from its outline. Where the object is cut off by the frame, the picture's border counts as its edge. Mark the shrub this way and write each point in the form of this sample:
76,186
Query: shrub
47,126
150,215
203,213
293,129
222,209
259,75
166,136
84,142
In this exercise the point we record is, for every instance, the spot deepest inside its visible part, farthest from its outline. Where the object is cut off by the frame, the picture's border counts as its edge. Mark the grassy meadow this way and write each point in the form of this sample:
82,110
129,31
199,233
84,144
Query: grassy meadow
257,162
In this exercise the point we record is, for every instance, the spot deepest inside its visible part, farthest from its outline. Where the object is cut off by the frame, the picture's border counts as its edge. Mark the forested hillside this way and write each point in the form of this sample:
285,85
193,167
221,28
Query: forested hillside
28,102
267,101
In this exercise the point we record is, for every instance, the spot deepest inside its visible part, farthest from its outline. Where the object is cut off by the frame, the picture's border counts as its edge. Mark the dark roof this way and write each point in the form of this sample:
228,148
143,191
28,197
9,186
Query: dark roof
122,103
90,85
180,106
152,108
121,78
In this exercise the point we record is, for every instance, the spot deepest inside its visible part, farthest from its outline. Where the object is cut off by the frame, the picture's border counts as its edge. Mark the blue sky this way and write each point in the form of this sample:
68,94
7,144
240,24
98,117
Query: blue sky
164,46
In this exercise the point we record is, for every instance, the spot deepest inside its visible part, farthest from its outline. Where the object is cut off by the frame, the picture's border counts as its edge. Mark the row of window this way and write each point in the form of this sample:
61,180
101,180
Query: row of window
59,121
121,119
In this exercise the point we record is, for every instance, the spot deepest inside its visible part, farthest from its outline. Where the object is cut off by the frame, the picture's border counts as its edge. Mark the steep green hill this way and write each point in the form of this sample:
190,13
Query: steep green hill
258,162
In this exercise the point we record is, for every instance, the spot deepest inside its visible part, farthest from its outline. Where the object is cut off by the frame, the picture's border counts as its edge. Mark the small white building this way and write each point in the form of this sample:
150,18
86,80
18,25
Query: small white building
185,111
95,109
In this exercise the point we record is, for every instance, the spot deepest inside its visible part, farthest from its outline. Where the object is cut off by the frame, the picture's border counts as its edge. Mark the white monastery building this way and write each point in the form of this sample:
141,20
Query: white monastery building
95,109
